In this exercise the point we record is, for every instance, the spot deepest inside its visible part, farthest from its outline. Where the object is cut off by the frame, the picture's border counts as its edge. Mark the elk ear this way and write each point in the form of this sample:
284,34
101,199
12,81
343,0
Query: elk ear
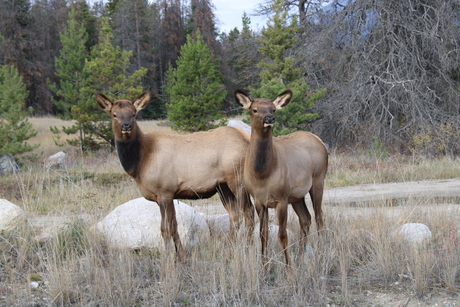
242,99
142,101
104,102
283,99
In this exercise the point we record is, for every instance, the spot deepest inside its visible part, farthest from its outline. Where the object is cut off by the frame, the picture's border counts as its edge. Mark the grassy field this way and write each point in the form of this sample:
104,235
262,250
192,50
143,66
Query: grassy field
356,263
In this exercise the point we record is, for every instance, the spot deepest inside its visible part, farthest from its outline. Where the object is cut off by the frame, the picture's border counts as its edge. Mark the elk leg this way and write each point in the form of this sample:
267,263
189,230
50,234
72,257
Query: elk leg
281,212
248,214
316,195
169,227
302,212
263,217
229,201
163,227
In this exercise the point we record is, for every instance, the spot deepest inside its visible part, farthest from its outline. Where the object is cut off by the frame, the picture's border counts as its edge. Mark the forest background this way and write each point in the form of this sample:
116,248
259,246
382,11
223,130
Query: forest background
388,72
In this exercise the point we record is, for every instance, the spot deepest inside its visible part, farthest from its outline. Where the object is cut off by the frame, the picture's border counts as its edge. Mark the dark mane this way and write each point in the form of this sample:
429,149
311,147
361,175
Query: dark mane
129,153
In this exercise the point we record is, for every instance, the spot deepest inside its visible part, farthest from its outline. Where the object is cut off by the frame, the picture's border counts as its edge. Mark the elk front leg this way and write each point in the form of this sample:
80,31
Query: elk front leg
248,209
263,217
169,227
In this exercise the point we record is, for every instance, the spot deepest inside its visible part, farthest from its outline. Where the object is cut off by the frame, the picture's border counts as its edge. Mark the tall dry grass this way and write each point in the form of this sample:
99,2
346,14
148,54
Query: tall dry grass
356,254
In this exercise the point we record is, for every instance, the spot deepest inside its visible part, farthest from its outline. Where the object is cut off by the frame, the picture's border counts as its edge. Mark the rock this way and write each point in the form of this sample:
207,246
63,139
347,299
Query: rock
58,159
239,125
136,224
415,233
219,224
11,216
8,165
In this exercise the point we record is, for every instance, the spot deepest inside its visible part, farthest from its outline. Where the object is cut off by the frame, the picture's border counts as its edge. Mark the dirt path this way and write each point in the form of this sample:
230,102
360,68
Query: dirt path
445,191
448,189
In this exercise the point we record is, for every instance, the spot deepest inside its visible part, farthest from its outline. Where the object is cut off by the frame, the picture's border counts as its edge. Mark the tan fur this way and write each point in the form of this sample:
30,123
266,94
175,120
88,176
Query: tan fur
171,166
282,170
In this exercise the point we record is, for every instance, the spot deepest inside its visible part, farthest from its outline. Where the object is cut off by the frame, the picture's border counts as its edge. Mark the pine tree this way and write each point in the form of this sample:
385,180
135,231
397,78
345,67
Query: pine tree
14,126
107,72
69,66
195,88
278,72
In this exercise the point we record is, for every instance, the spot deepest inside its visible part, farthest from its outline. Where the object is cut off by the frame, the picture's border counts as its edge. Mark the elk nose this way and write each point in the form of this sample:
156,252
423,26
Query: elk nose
126,127
269,119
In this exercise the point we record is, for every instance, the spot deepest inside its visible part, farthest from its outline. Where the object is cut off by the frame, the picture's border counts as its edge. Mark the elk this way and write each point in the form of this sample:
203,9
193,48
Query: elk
281,170
172,166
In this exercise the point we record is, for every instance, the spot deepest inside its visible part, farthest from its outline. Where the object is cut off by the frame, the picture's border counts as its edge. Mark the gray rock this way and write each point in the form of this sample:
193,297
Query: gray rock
11,216
136,224
8,165
219,224
239,125
415,234
58,160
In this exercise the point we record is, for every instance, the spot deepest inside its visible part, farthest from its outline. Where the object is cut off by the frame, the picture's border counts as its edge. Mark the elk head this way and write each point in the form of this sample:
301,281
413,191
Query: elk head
261,110
123,113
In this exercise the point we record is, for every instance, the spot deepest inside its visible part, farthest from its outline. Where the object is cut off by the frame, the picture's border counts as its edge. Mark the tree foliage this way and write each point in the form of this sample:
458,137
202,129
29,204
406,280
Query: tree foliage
241,52
278,72
15,129
391,68
107,72
194,88
69,66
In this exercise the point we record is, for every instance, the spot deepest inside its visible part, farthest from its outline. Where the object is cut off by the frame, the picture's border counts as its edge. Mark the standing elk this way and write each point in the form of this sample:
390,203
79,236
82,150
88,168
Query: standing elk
171,166
281,170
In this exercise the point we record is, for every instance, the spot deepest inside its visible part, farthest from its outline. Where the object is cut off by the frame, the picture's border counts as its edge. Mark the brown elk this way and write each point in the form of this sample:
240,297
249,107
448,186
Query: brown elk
172,166
281,170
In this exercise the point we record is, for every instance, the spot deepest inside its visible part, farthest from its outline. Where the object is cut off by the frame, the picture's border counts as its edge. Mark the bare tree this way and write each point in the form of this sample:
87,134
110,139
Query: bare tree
392,70
304,8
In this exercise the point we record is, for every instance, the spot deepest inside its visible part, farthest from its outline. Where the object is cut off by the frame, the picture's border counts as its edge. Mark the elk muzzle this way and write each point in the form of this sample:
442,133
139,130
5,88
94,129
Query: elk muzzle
126,128
269,120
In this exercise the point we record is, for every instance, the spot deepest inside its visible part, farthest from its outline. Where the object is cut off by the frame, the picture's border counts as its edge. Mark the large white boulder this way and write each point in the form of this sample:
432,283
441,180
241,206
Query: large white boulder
136,224
219,224
415,234
239,125
11,216
58,159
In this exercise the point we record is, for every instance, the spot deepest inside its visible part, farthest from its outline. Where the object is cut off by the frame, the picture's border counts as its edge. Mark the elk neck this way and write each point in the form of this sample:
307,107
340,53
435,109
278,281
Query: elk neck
261,152
130,151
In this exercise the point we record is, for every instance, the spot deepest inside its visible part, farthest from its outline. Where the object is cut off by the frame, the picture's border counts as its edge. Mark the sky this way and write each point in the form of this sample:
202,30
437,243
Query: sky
230,12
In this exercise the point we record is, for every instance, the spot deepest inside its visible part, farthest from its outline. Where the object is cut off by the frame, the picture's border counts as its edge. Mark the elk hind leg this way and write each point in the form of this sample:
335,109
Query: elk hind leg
230,204
316,195
300,208
282,213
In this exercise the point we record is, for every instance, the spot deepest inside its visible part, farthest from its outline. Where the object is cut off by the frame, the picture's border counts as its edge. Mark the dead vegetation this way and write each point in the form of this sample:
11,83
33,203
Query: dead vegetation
357,263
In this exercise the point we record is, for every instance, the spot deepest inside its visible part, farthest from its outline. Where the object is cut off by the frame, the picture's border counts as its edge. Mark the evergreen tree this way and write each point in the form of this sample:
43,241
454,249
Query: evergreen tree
69,66
242,55
14,126
195,88
278,72
107,72
87,18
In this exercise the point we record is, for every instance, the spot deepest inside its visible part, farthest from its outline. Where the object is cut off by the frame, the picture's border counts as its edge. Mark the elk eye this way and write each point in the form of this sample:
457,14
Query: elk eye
254,111
114,115
134,115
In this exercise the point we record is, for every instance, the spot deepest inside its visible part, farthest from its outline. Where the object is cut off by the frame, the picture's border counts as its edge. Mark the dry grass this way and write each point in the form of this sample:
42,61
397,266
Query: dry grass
355,257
